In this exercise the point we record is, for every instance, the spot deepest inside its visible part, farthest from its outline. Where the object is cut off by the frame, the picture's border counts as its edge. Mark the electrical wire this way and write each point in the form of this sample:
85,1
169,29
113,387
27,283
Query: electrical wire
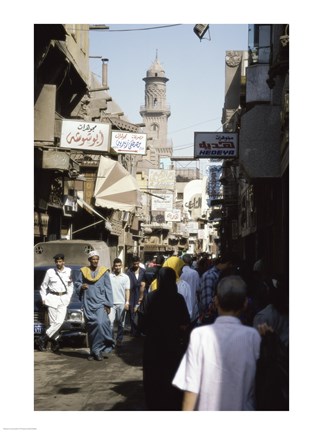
183,147
196,124
124,30
206,121
147,28
222,125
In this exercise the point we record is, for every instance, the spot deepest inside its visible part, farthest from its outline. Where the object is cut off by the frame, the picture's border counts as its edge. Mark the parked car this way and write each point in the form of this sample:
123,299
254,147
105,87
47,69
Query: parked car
73,330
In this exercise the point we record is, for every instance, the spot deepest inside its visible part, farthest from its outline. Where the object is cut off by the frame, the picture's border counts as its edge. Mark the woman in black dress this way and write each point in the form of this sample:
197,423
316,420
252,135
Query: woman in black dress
166,325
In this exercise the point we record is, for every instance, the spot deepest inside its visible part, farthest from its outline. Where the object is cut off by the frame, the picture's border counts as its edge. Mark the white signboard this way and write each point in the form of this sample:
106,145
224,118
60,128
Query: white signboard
162,204
192,227
85,135
194,198
201,234
173,215
218,145
126,142
161,179
188,228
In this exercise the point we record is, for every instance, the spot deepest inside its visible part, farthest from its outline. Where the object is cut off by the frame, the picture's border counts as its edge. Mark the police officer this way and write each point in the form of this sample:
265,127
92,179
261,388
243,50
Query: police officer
56,292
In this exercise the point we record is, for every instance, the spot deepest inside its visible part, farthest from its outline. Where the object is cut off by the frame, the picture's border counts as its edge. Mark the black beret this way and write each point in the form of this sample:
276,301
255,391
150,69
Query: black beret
58,256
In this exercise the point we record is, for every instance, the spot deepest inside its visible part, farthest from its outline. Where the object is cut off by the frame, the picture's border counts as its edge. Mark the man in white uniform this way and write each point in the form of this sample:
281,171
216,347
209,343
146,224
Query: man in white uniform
217,372
56,292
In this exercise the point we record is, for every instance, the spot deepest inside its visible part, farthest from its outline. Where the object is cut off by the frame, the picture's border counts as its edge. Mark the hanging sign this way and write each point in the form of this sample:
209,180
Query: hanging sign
85,135
173,215
161,179
125,142
215,145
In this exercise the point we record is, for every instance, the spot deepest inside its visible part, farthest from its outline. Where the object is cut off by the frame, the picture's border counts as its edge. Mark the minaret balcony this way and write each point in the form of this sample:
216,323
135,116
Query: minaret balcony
156,109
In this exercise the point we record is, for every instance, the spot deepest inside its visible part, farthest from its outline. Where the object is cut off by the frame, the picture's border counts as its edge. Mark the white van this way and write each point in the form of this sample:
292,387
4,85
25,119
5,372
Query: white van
75,252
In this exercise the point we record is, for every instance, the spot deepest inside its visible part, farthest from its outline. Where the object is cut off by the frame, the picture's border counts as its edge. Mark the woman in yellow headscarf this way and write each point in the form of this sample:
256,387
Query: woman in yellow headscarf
176,264
183,287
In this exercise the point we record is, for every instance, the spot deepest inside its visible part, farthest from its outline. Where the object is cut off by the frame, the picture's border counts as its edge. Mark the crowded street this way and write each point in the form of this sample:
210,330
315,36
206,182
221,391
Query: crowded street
193,259
164,257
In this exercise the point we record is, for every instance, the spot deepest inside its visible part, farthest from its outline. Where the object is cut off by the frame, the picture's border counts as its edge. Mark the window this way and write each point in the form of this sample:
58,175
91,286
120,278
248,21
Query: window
155,128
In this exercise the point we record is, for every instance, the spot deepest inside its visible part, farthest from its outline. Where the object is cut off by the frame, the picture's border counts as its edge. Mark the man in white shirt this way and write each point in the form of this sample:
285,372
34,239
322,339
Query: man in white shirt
120,284
192,277
56,292
217,372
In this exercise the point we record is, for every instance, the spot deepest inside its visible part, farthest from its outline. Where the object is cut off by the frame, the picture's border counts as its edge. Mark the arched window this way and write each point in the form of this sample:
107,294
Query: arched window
155,128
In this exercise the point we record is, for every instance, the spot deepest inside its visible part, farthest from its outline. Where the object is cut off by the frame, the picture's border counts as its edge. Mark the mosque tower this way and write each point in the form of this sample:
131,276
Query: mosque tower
155,113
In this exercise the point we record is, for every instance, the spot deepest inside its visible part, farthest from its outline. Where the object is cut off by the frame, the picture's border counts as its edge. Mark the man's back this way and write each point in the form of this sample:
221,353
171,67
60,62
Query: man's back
207,288
220,365
192,278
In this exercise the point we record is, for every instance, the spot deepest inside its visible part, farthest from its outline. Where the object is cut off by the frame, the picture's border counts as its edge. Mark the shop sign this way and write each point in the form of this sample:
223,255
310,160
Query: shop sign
116,227
162,203
215,145
128,143
188,228
201,234
55,160
161,179
82,135
173,215
194,206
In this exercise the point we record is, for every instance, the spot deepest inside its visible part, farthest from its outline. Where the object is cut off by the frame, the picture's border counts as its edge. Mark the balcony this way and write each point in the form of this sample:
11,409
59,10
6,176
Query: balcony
156,109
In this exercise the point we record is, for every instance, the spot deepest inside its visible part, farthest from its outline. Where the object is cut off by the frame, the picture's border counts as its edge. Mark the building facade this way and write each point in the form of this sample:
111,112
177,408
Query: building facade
75,122
60,82
255,206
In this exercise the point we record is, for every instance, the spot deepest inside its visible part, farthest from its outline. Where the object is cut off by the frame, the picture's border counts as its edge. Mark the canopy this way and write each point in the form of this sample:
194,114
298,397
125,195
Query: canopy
115,187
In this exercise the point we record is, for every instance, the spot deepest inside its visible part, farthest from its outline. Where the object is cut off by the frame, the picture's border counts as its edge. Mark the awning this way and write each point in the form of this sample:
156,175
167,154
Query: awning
115,187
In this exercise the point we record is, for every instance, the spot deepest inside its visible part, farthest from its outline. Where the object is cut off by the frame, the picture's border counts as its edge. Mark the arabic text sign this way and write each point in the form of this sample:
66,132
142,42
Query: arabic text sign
161,179
173,215
218,145
125,142
85,135
165,202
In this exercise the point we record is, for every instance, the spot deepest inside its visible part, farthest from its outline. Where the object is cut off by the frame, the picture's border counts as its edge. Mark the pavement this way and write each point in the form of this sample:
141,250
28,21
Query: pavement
70,382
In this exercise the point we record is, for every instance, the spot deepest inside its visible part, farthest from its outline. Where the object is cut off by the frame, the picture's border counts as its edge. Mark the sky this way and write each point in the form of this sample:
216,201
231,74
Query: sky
195,69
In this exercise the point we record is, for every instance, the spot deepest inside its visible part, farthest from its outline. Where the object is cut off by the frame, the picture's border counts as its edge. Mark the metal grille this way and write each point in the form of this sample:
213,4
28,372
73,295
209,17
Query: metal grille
39,316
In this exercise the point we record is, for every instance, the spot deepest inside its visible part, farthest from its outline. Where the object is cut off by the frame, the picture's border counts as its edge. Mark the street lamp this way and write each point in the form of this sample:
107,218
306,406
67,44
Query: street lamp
200,30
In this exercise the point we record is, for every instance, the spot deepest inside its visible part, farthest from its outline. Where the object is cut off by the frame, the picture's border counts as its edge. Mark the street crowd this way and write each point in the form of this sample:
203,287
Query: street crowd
216,334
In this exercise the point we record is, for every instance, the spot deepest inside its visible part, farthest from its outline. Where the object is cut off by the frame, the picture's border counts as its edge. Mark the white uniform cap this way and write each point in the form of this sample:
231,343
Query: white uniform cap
93,253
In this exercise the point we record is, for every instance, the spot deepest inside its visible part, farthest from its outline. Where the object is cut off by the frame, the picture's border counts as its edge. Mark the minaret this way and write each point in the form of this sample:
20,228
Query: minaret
155,112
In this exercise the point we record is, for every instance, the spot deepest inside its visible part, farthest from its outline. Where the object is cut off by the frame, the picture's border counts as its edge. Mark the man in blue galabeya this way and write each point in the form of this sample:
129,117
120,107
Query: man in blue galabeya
94,289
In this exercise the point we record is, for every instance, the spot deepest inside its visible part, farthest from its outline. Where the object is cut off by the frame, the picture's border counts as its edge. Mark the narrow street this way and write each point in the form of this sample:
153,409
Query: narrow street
69,382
